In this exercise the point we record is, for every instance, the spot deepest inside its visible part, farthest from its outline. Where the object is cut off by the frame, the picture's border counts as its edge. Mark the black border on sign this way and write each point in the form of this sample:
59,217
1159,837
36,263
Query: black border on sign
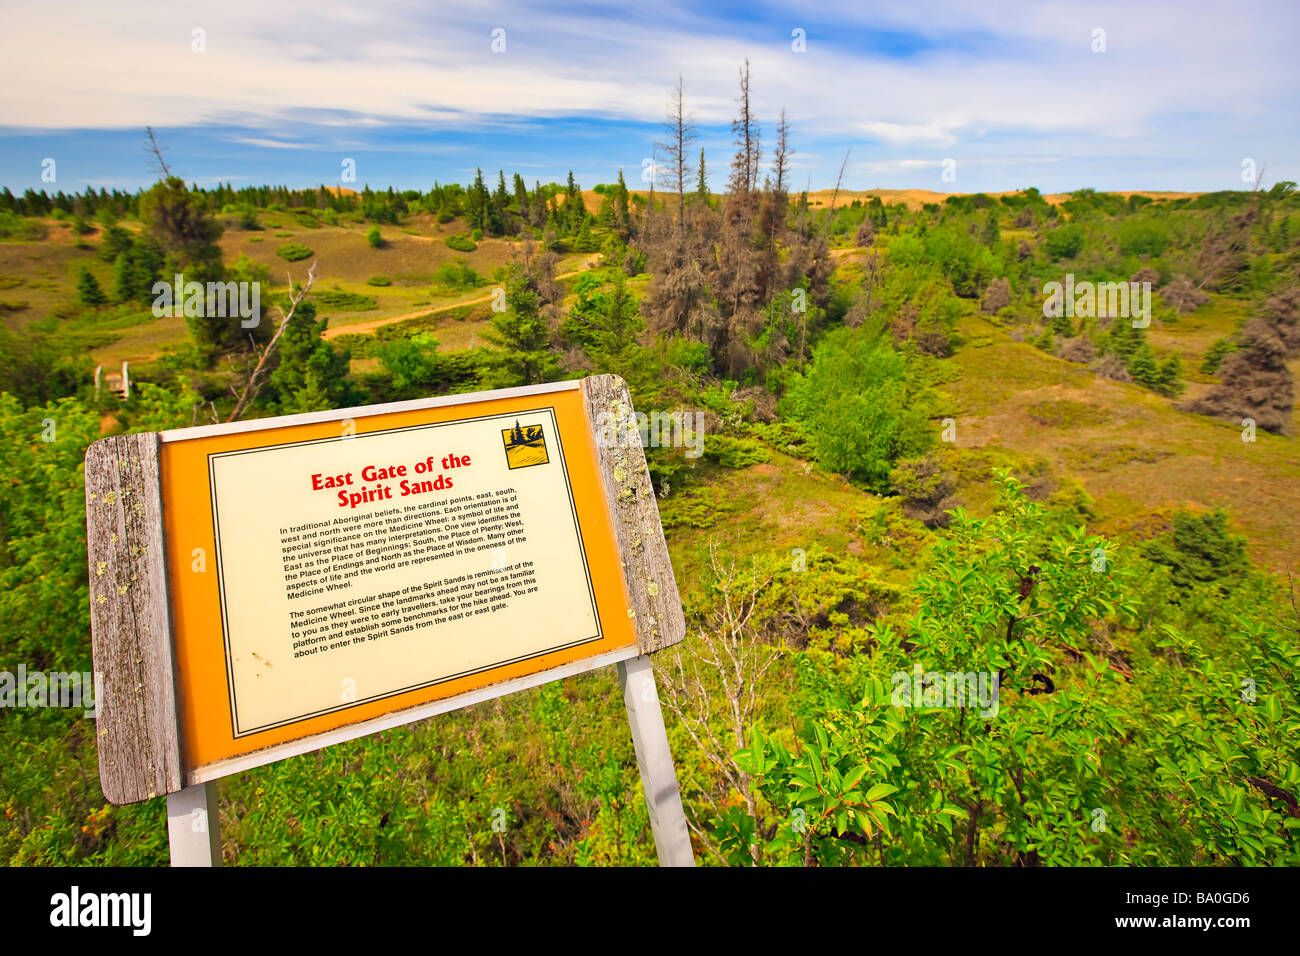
221,584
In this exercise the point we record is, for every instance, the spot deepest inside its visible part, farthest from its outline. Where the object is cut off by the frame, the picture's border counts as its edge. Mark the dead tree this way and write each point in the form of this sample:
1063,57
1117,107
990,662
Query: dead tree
258,377
713,686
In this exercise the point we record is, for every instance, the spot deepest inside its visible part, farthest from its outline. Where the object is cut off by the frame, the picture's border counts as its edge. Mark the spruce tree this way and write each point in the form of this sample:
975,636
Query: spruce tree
88,291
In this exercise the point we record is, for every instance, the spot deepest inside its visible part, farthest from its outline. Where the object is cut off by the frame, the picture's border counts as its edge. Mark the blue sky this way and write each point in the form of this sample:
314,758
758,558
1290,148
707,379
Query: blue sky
1107,95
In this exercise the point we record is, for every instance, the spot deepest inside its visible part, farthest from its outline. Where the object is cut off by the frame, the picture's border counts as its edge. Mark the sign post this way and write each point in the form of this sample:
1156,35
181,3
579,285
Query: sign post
267,588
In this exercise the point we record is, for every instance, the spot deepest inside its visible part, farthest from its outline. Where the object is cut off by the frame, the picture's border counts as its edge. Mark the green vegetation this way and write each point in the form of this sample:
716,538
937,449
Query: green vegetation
294,252
901,477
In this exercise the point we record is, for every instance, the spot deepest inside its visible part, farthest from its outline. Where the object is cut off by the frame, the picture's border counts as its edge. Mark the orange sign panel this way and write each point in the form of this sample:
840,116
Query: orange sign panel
331,570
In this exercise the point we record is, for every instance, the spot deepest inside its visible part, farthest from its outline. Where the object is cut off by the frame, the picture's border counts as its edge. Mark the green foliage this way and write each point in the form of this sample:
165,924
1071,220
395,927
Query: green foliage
89,293
294,252
457,275
379,281
521,334
312,374
38,367
735,452
1099,744
1219,350
1142,236
1065,242
461,243
14,228
374,237
135,270
1199,550
413,365
337,301
862,406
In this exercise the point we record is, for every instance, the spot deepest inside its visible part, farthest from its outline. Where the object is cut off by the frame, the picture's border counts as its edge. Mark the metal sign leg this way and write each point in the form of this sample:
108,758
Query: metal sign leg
194,826
658,775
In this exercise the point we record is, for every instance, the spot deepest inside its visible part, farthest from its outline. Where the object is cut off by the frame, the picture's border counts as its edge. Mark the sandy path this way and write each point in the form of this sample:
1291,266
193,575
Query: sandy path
361,327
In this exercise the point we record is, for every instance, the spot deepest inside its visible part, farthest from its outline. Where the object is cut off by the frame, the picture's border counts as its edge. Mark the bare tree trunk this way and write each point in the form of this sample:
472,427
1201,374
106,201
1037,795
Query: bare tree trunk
839,179
681,130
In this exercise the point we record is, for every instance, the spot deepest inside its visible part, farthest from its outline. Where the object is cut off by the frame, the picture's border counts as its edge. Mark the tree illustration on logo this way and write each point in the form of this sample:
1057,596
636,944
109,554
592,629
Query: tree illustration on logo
517,436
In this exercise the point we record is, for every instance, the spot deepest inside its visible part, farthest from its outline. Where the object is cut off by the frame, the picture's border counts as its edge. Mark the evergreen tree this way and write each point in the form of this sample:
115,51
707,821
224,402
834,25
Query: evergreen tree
88,291
312,374
991,234
522,335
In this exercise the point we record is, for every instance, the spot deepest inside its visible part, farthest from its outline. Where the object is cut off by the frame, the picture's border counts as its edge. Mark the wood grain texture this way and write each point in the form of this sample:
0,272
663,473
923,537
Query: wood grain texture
130,621
654,604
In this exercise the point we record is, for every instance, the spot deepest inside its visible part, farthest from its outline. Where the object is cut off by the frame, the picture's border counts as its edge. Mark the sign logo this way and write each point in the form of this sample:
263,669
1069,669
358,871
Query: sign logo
524,446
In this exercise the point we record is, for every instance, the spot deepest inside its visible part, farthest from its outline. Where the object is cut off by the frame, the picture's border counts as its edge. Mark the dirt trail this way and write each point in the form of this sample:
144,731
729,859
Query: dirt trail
359,327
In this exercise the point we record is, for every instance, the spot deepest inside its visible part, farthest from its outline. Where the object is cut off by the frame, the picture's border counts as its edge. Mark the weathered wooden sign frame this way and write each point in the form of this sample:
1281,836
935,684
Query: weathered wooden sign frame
144,643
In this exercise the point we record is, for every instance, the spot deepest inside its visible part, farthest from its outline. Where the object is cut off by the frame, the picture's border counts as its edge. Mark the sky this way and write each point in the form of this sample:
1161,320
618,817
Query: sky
984,96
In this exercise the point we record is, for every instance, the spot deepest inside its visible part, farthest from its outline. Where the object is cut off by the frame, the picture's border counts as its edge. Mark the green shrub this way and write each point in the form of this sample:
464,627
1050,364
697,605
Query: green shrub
1065,242
1142,237
374,237
345,301
457,275
461,243
1199,550
735,452
862,407
379,280
294,251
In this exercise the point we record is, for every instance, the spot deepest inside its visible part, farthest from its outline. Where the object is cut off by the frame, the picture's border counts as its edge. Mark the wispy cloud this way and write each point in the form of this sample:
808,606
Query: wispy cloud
1181,84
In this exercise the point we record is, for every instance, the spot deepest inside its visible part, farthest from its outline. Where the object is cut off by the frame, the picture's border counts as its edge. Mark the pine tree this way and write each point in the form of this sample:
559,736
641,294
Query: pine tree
312,374
620,205
1142,366
88,291
702,182
123,290
991,235
522,335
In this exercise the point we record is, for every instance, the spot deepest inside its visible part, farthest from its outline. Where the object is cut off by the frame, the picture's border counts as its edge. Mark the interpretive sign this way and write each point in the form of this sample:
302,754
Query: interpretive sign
266,588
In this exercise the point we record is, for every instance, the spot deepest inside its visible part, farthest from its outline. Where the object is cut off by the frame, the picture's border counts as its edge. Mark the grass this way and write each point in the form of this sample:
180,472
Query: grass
1131,449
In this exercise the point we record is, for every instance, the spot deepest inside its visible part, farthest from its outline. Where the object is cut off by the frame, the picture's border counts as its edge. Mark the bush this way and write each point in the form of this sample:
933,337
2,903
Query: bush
861,406
294,252
379,280
374,238
1065,242
1199,549
997,296
461,243
1216,353
926,490
458,275
344,301
1142,237
735,452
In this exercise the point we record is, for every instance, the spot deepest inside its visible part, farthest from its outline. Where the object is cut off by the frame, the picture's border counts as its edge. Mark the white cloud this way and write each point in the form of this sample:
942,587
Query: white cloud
995,70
